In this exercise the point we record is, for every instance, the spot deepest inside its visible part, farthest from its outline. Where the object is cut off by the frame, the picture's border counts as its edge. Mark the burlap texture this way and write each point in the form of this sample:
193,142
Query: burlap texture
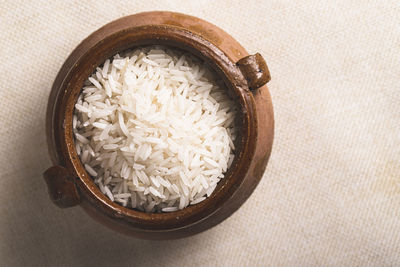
331,192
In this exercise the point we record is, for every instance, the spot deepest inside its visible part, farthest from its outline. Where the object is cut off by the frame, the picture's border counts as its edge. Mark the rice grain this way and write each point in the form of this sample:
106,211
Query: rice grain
155,127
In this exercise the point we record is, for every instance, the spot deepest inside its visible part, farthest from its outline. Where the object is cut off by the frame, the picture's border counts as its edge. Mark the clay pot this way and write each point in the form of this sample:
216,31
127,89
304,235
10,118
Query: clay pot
245,77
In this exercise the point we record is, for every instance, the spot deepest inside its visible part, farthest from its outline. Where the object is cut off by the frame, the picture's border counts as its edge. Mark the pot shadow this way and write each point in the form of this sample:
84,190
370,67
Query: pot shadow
38,233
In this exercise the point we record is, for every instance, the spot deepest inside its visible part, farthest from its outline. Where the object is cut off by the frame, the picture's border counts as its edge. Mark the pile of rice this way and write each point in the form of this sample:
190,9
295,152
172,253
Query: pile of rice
155,129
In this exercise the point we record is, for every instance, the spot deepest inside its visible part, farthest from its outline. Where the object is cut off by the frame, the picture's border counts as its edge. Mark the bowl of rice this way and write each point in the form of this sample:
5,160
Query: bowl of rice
159,125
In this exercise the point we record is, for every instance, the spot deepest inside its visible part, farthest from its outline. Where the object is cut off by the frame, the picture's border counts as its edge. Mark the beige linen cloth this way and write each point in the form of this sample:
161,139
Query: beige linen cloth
331,192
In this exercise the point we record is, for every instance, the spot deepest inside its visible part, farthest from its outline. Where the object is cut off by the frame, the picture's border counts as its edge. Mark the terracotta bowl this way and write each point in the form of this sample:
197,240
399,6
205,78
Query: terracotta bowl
245,77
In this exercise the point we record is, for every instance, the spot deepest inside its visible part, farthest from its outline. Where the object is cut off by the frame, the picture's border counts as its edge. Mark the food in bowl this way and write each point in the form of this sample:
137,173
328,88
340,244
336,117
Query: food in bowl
155,128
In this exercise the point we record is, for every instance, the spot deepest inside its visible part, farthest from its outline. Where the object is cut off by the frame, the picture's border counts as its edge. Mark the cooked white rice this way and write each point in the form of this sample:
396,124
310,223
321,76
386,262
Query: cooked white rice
155,129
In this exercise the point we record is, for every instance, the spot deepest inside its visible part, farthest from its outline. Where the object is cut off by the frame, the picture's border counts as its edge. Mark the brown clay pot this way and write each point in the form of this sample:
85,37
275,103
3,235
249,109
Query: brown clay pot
245,77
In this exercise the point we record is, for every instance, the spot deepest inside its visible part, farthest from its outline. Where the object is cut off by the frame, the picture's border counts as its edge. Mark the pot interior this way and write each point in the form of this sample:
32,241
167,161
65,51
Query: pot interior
177,39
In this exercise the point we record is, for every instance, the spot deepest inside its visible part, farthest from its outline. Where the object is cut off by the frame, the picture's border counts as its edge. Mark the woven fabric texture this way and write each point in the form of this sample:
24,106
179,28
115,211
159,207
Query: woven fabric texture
331,192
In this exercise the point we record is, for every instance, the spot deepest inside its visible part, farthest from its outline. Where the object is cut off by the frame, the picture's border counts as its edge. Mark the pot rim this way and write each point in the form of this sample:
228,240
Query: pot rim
177,37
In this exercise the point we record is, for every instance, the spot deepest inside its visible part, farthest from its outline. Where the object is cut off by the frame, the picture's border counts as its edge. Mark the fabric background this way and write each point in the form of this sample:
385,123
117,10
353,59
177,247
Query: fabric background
331,192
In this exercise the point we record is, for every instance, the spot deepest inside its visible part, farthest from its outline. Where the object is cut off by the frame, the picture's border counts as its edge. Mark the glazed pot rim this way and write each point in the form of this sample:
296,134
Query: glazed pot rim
234,79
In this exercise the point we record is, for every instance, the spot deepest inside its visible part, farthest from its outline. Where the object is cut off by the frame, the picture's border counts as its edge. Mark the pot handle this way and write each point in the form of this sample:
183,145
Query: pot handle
255,70
62,189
